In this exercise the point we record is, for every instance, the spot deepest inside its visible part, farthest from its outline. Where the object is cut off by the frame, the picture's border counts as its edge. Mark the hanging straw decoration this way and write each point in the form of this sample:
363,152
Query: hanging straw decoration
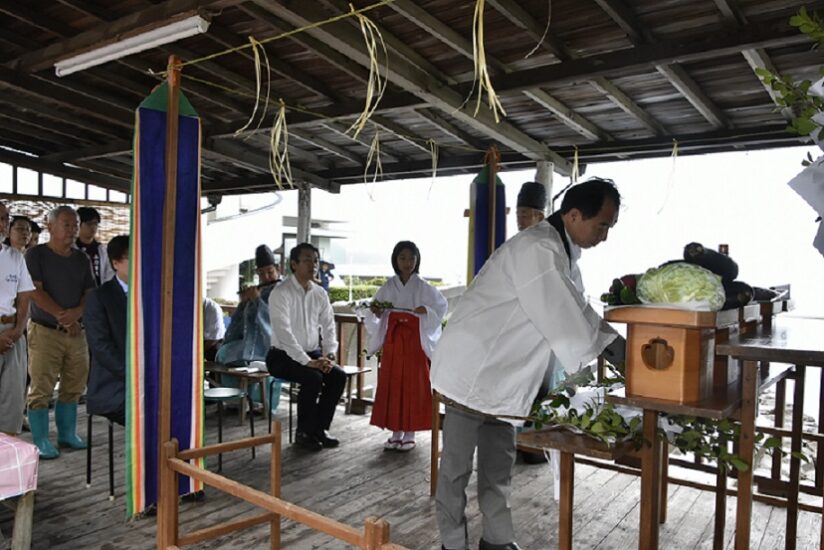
576,169
279,150
374,155
671,177
258,48
546,29
433,150
376,84
481,70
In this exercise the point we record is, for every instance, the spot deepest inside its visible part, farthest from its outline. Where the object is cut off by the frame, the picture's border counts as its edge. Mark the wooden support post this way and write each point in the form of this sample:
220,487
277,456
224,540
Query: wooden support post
746,446
720,506
566,503
650,482
376,533
795,463
543,174
23,517
778,415
274,482
167,495
664,485
492,157
167,498
819,449
304,230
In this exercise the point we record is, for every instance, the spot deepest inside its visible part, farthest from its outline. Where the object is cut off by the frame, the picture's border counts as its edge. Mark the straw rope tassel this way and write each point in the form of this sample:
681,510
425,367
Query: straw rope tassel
279,150
257,48
376,85
481,70
576,173
671,177
546,29
374,155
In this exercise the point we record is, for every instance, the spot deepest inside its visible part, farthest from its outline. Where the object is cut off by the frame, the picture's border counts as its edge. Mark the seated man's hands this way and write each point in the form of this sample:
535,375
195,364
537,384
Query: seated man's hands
322,364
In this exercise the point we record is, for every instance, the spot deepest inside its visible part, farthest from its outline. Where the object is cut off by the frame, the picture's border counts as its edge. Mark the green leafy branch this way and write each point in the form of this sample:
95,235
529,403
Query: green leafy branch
703,437
792,95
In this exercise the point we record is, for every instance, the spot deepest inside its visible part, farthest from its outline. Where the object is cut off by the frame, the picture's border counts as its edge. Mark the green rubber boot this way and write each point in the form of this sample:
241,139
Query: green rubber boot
39,423
65,416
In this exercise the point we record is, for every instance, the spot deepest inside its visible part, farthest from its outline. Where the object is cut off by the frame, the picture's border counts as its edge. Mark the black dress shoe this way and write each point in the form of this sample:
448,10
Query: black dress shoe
327,440
489,546
308,442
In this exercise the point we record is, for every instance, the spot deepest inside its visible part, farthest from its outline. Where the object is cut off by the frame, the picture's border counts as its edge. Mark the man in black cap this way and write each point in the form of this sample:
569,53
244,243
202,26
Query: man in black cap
250,332
86,242
531,204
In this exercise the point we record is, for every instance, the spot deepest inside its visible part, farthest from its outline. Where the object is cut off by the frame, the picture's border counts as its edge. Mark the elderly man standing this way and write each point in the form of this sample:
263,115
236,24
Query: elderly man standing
62,278
15,292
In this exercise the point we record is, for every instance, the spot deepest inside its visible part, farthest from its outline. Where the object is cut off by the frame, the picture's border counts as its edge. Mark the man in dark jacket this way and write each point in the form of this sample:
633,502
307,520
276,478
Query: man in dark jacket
105,318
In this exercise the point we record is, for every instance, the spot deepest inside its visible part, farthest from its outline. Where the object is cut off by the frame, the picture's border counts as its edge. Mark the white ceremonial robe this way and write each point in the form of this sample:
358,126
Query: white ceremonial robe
416,292
524,309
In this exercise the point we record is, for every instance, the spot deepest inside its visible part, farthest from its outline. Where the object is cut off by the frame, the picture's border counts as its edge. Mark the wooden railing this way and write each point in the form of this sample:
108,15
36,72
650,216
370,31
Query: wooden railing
374,536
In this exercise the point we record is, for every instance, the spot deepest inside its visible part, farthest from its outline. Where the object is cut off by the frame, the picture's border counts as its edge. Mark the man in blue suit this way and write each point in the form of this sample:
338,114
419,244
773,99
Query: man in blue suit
105,319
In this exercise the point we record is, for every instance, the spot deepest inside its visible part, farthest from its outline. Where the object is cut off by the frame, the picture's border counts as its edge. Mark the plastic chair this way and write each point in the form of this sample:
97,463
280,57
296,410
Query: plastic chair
220,396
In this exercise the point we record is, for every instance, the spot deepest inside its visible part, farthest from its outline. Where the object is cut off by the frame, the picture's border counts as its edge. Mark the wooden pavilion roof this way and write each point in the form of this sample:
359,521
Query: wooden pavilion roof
616,79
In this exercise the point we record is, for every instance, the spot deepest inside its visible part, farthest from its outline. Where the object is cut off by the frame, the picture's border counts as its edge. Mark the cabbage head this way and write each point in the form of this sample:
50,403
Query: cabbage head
682,283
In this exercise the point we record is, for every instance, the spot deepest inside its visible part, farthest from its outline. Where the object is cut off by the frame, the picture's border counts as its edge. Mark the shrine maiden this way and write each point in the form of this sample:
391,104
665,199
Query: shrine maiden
524,309
403,401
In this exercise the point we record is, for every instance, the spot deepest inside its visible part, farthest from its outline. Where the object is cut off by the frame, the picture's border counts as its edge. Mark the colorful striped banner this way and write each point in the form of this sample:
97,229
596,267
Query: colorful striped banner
144,335
478,246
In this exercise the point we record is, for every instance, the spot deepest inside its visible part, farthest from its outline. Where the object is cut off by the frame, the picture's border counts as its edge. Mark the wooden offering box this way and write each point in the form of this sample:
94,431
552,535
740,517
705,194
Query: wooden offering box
671,352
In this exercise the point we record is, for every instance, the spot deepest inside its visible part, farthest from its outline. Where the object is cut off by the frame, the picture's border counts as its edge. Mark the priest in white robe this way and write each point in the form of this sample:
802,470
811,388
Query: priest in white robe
523,311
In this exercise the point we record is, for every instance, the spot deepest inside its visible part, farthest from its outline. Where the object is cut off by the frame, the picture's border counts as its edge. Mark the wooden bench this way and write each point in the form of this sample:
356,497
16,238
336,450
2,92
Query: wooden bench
569,444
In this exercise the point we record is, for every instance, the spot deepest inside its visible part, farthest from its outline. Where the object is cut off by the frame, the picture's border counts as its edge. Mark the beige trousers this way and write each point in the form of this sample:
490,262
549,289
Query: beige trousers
53,355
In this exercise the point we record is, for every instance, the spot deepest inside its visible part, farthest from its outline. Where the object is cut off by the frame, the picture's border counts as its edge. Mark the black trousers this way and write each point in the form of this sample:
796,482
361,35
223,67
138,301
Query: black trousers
319,392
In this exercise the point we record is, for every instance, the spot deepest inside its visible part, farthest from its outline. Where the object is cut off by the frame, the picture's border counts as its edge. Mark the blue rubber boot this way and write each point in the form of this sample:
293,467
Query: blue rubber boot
65,416
39,423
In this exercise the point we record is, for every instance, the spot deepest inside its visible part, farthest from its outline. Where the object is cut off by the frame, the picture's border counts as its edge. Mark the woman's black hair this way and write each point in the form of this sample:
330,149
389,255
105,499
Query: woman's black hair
400,247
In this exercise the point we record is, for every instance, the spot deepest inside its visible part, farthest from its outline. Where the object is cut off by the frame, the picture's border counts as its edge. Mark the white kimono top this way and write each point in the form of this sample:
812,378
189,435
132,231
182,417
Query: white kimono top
522,310
416,292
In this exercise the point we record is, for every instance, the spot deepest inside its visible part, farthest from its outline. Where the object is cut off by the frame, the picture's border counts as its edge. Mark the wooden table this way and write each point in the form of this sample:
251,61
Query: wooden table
570,444
799,342
245,379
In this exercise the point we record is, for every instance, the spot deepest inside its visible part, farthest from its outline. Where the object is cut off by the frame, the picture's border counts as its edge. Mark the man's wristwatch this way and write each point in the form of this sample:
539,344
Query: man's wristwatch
330,356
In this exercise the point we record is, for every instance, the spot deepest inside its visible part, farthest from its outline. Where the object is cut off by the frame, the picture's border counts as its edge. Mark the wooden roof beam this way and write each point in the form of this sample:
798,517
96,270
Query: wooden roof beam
521,18
387,153
402,133
328,146
757,58
436,118
568,116
442,31
427,86
674,73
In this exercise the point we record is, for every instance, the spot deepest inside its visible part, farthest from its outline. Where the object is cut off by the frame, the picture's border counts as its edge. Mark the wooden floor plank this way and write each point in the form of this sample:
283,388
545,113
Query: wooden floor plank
359,479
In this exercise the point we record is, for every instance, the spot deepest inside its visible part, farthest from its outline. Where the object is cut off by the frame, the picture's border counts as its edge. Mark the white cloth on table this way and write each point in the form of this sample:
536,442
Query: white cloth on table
416,292
523,309
18,466
300,318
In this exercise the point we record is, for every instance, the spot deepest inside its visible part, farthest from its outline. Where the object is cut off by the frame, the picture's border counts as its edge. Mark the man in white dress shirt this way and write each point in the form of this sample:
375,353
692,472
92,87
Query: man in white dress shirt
304,346
15,292
213,328
524,309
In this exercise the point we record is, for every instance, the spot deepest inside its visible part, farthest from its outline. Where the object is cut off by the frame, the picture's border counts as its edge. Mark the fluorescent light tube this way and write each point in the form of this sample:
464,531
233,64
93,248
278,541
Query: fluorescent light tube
134,44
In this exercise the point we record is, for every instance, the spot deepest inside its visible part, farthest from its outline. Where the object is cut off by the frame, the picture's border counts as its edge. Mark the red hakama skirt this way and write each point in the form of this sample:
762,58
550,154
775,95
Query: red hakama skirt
403,400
